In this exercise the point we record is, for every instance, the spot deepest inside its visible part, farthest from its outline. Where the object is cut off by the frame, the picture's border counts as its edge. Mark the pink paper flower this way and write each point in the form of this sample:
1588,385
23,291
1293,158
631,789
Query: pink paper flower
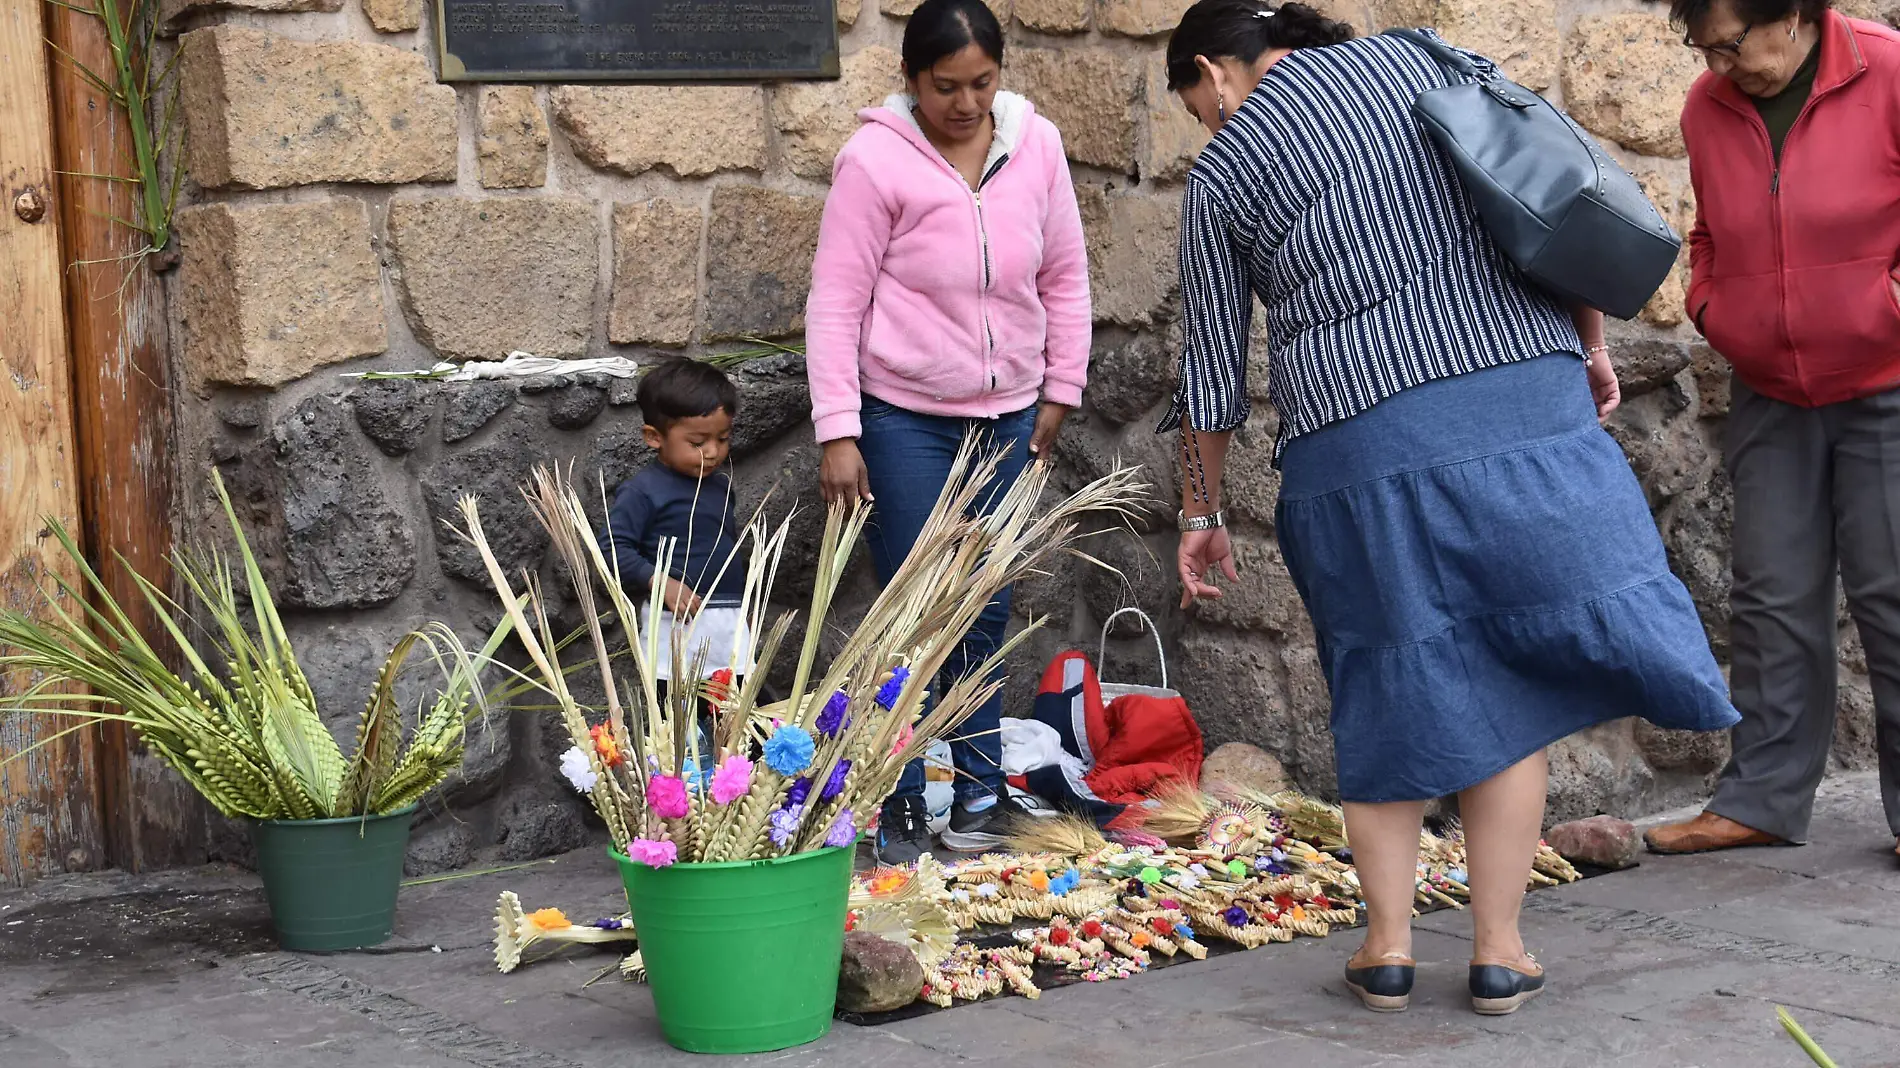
653,854
666,794
903,738
732,781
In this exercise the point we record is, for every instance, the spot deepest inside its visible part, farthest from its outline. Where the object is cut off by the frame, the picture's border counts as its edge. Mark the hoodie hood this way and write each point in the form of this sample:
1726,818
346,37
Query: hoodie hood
1010,111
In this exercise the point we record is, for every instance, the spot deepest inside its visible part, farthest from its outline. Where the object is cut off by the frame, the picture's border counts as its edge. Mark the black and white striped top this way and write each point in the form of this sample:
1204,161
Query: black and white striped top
1323,196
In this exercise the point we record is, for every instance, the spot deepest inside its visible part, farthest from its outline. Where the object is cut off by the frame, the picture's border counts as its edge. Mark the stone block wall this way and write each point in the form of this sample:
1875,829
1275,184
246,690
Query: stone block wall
345,211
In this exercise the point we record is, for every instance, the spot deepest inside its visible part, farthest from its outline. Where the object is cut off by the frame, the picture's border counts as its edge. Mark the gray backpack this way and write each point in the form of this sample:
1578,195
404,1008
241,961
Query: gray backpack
1549,195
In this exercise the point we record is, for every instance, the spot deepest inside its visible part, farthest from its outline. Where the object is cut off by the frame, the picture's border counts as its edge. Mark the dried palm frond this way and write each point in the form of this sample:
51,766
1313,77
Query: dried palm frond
1311,819
1551,863
516,930
1064,835
1177,813
633,968
1186,816
247,734
920,925
877,680
1808,1045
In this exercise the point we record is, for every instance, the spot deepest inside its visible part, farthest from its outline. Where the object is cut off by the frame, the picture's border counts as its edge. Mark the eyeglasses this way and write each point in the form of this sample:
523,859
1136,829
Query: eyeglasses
1730,50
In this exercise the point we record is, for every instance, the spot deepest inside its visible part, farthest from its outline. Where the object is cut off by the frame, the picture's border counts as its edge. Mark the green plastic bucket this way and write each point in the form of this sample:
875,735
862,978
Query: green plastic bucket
332,884
742,957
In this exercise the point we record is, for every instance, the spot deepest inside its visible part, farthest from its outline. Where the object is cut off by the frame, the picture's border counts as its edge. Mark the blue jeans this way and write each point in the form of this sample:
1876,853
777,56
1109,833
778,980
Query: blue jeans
908,458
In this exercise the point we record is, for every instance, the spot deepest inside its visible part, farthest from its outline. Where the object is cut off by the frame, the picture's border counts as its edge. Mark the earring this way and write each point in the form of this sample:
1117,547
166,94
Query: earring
1794,30
1220,102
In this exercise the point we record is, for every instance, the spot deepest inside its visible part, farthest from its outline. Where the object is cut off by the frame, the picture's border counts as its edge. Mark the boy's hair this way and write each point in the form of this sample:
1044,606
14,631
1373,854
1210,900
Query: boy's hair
682,388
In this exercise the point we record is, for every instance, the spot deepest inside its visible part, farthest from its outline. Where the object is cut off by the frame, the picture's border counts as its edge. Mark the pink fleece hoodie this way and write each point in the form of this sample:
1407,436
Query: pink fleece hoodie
939,300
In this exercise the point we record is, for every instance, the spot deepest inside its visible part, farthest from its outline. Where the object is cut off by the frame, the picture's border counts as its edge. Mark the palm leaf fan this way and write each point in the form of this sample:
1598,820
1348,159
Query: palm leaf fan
1185,815
919,925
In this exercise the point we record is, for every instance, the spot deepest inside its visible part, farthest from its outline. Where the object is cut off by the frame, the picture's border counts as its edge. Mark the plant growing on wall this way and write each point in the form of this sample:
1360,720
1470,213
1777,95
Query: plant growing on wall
247,733
133,83
760,348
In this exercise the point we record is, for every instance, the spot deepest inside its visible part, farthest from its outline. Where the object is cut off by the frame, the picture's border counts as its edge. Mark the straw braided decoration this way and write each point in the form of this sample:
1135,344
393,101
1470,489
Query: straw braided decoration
821,763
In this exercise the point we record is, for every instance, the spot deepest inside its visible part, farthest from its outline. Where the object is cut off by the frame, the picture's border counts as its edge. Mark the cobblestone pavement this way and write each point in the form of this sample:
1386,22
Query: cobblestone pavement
1678,963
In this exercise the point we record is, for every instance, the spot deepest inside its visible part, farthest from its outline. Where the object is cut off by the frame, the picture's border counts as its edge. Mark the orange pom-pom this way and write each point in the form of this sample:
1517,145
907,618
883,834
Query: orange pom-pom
548,920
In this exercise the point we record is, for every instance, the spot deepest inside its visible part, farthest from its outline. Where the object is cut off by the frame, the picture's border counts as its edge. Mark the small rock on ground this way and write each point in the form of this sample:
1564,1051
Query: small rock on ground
1604,841
877,974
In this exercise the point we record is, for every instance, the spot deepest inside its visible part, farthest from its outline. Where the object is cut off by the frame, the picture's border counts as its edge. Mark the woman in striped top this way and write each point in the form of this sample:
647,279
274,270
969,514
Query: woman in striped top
1482,572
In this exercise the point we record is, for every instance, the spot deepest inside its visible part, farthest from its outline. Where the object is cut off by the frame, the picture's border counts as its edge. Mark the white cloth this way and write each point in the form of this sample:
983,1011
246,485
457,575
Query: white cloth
720,630
1029,744
517,365
527,365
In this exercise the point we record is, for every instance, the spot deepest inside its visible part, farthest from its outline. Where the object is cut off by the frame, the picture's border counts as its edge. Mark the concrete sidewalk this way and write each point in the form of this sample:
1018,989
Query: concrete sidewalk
1678,963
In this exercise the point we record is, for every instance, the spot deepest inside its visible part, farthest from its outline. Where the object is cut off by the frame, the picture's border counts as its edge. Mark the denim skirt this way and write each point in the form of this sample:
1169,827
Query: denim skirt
1485,578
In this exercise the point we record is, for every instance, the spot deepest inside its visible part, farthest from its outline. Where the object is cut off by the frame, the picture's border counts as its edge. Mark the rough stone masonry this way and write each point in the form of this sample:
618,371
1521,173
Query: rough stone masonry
348,212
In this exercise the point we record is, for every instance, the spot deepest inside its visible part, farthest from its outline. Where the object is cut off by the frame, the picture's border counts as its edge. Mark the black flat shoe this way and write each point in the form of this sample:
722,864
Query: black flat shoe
1382,987
1499,991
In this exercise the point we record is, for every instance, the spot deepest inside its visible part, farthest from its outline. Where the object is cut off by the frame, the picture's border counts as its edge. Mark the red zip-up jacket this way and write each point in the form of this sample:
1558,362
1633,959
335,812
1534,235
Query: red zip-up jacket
1793,267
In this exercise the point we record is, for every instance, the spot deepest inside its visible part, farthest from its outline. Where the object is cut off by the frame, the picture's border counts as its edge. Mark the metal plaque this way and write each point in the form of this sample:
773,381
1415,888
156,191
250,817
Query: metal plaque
637,40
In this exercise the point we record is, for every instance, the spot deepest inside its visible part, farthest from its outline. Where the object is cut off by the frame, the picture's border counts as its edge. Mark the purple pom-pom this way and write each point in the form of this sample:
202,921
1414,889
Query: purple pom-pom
844,831
835,785
1235,916
783,825
800,791
832,719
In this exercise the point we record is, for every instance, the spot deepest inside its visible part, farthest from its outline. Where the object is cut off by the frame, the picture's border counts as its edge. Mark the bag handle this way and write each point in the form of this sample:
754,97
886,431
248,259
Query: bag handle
1161,654
1492,80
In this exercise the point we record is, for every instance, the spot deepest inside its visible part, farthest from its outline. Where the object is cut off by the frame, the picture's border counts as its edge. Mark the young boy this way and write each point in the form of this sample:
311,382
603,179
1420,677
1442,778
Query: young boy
685,495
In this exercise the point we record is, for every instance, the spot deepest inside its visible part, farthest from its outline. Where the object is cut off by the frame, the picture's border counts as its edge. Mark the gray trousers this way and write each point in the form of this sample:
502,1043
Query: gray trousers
1817,490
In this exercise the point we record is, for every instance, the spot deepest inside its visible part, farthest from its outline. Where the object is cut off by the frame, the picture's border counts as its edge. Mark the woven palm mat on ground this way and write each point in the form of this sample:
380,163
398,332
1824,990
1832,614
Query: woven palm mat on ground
1050,977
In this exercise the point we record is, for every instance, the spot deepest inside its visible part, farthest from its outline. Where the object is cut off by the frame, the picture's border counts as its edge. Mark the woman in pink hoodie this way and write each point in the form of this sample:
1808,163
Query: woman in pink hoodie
949,297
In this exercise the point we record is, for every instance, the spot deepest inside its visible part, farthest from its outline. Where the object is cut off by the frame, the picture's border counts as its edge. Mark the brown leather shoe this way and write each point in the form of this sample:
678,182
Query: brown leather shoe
1704,834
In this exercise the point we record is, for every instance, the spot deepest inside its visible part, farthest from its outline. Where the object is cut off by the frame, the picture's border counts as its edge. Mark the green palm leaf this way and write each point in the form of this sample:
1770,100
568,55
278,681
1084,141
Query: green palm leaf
248,735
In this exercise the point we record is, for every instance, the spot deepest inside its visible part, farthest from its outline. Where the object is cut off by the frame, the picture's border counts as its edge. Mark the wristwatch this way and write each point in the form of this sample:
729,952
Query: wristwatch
1200,522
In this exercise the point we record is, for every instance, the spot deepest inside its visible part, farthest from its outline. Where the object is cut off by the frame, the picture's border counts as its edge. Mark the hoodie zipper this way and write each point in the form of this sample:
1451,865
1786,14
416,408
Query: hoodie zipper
1754,119
989,271
1776,220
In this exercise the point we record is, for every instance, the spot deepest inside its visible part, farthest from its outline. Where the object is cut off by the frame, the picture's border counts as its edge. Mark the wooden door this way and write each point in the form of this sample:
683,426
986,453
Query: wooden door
49,801
115,321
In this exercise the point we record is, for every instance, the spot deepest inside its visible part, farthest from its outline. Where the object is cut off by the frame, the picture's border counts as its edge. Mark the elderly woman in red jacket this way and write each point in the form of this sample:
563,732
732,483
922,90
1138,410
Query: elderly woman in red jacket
1794,149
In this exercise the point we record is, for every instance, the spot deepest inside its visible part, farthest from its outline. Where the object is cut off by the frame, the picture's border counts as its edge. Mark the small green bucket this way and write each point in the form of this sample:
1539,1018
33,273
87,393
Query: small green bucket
742,957
332,883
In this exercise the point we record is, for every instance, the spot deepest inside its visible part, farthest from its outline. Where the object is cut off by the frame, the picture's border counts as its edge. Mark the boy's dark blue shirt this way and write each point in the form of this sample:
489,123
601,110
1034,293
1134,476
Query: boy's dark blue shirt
660,503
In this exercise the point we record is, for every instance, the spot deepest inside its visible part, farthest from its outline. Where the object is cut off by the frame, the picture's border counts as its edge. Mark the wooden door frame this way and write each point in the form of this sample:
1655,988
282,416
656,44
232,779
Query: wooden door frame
118,411
123,420
49,805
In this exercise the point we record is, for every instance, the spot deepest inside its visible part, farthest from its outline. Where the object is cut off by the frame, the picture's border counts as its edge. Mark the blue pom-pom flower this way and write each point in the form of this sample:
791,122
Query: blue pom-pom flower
789,750
893,687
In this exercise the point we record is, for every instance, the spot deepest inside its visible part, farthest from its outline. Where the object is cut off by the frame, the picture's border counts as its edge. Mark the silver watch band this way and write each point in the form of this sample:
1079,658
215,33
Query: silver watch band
1200,522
